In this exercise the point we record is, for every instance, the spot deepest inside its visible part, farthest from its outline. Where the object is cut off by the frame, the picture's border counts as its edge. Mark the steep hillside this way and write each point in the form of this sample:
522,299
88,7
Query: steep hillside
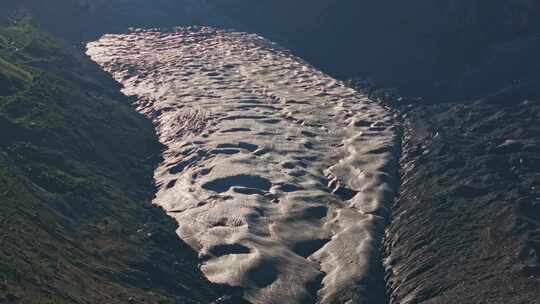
75,177
466,224
446,49
84,20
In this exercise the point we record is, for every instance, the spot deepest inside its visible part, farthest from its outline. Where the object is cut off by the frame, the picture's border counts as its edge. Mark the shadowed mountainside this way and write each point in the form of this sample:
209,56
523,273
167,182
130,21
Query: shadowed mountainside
84,20
452,48
465,226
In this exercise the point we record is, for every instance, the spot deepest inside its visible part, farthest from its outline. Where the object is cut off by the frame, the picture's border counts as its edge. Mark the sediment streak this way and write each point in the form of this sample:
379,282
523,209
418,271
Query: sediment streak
278,175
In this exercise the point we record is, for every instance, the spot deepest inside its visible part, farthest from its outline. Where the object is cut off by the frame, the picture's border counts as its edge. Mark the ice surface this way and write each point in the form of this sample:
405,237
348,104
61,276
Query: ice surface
278,175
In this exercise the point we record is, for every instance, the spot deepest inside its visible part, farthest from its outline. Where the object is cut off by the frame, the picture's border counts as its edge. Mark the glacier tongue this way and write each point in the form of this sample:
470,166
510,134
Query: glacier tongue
278,175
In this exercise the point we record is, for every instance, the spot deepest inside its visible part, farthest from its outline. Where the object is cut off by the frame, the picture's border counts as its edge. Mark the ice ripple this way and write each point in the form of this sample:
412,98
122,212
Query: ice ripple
278,175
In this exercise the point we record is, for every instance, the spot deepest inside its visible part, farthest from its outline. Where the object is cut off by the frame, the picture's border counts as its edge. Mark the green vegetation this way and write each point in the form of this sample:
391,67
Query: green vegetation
12,78
25,43
76,163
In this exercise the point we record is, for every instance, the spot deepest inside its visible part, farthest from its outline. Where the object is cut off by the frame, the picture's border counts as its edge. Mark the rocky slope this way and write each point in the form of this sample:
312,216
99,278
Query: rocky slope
465,224
468,208
477,179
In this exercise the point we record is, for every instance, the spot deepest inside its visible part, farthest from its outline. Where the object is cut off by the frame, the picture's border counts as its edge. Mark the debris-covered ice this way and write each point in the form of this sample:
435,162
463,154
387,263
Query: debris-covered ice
278,175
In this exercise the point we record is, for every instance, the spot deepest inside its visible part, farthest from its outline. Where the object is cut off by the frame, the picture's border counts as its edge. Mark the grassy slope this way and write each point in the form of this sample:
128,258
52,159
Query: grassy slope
75,164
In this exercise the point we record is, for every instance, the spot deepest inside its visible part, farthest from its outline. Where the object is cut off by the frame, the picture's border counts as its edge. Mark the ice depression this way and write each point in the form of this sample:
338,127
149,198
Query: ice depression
277,174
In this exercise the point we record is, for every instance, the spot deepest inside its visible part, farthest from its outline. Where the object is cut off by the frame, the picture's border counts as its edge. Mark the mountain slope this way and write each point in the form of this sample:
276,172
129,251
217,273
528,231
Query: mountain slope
85,20
465,227
75,171
445,49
